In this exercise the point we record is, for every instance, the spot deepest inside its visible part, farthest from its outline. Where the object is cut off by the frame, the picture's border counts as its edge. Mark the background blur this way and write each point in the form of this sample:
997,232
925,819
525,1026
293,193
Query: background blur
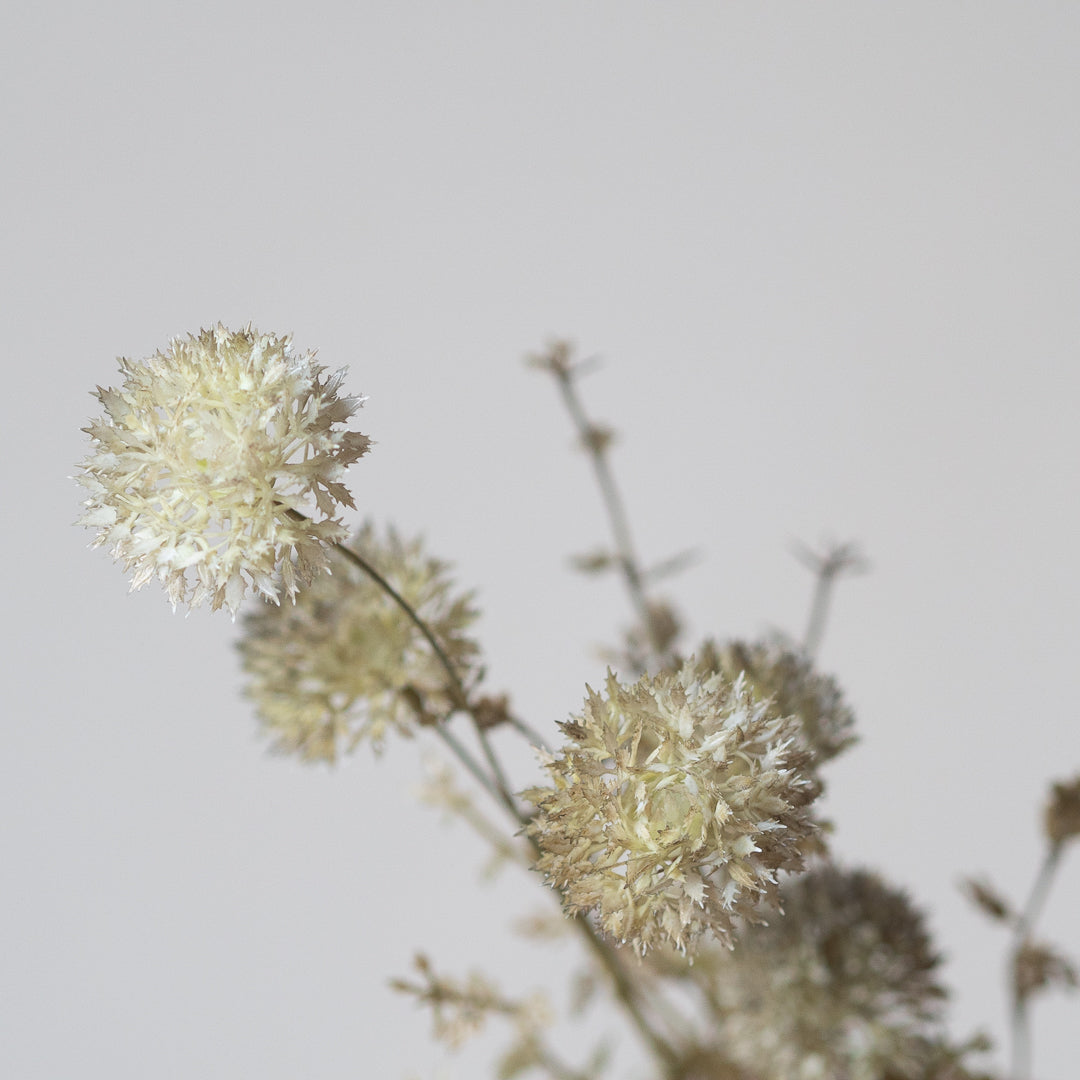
829,253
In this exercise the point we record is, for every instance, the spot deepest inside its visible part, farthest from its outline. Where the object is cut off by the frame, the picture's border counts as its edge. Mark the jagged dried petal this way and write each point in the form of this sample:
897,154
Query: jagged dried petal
206,462
672,807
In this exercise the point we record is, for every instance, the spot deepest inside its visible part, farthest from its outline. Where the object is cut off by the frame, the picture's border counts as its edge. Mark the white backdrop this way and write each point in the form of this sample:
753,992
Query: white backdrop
829,253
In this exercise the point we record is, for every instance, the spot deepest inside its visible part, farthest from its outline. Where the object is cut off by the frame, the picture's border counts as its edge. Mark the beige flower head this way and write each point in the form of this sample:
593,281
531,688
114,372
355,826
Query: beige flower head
673,805
844,984
206,463
345,663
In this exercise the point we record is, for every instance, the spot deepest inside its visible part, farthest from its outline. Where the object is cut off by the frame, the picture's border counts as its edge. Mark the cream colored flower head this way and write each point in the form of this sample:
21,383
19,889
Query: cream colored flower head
345,663
208,459
673,805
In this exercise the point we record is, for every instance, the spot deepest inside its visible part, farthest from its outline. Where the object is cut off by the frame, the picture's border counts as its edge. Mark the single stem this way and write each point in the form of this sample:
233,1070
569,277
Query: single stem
501,783
1021,1021
499,787
1021,1038
457,687
628,996
458,692
1039,892
840,559
466,759
548,1060
613,503
557,1068
530,733
819,612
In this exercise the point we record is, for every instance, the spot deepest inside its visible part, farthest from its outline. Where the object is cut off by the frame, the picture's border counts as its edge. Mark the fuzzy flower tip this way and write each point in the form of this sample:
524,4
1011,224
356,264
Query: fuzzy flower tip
207,461
674,803
345,663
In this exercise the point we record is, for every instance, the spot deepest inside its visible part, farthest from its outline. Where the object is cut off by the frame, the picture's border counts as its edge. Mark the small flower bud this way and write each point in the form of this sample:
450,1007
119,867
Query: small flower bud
1062,815
987,900
1038,967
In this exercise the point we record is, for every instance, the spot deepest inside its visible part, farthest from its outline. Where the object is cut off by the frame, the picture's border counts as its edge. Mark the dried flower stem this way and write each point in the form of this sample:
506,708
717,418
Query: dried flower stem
1039,892
457,688
838,559
533,737
613,503
628,995
1021,1021
555,1067
461,698
497,771
455,747
496,784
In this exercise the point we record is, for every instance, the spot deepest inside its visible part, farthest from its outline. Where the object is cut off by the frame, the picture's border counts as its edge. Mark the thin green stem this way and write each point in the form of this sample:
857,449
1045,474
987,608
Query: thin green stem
819,612
613,504
1039,891
501,783
531,734
466,759
627,994
457,688
839,559
496,785
1021,1021
555,1067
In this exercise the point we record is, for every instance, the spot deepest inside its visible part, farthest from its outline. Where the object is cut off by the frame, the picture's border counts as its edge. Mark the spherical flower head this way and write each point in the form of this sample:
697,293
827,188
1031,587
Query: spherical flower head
844,984
673,805
775,670
345,663
206,463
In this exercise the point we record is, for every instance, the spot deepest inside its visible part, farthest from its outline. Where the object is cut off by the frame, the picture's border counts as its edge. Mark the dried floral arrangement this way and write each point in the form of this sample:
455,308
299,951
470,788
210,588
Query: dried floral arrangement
675,813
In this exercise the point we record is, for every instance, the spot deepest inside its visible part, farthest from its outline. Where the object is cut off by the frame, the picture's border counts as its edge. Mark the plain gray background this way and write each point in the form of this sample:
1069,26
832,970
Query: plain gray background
829,253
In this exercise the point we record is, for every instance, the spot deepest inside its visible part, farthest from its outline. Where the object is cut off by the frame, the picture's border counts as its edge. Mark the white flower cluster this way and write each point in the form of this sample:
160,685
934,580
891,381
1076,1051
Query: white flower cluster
206,463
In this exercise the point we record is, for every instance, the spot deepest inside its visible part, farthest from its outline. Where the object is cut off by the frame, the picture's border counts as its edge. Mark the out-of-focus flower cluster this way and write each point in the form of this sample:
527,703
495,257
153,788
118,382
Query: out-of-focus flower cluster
843,986
778,671
345,663
207,461
672,807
